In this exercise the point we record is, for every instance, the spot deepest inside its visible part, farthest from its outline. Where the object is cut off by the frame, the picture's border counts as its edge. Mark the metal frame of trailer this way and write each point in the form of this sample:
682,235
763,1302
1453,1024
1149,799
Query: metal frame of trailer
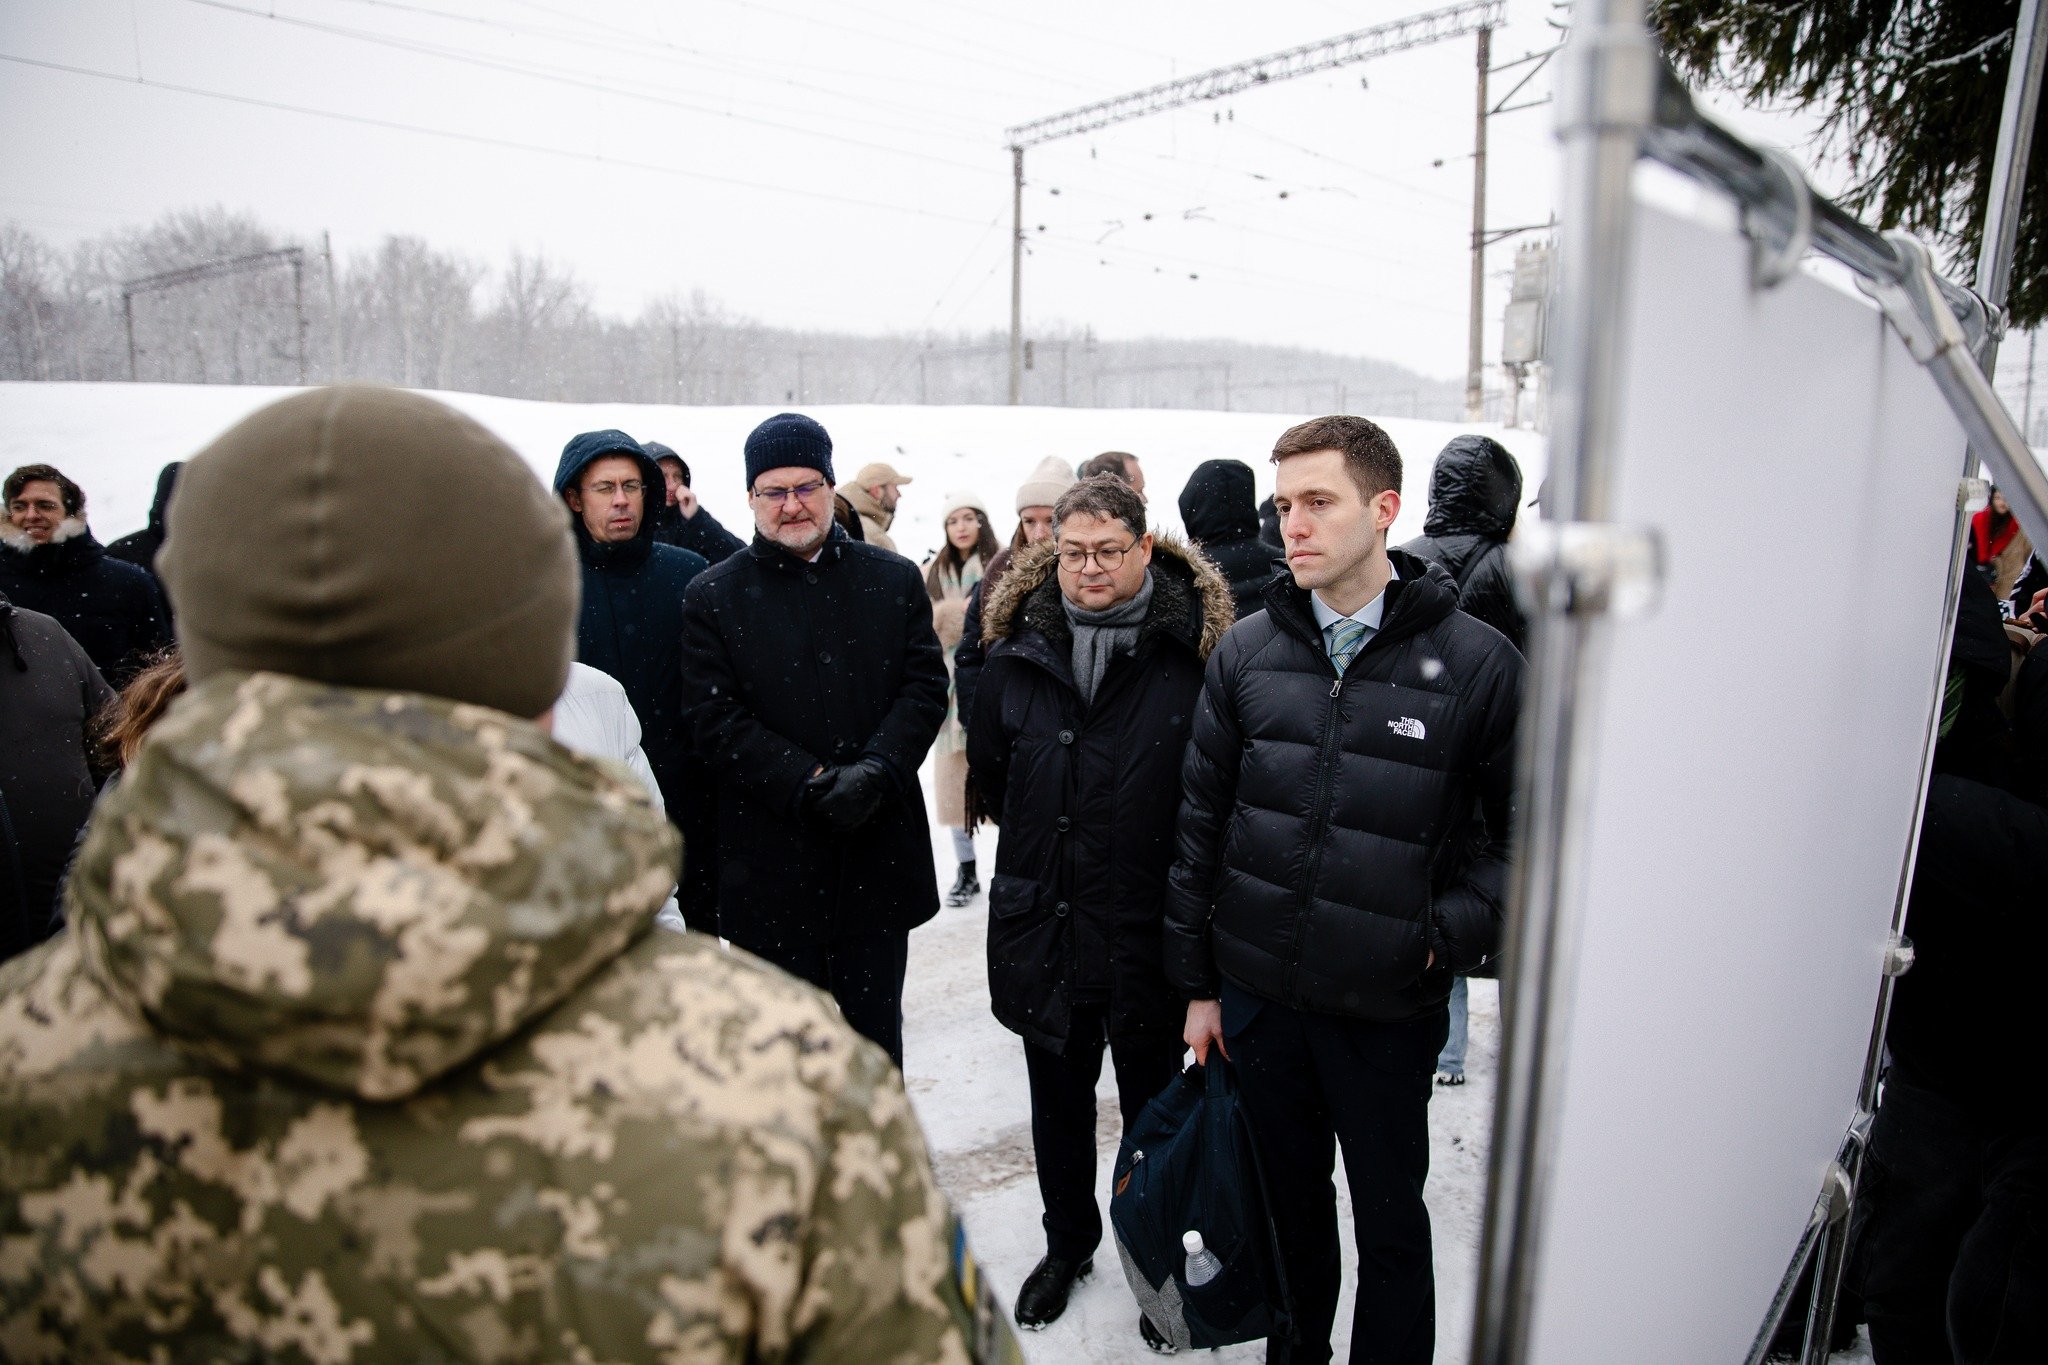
1619,104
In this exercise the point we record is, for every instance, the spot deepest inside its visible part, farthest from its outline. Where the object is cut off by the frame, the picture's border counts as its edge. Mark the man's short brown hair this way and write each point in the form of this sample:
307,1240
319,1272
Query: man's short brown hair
1115,463
1102,495
72,494
1368,451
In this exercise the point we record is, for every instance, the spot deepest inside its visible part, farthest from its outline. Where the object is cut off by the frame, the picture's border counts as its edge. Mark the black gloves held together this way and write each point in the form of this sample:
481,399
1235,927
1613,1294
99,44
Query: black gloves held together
845,798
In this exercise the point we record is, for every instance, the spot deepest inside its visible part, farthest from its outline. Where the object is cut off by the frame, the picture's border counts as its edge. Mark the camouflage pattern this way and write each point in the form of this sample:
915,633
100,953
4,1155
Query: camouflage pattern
358,1049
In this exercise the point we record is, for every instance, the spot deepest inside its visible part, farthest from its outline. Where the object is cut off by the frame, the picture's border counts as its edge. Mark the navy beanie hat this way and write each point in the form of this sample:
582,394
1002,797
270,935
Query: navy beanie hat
788,440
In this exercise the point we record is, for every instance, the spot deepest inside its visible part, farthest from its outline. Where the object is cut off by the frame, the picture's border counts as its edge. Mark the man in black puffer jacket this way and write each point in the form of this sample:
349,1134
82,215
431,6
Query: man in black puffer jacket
1075,746
1474,493
1218,510
1342,853
632,628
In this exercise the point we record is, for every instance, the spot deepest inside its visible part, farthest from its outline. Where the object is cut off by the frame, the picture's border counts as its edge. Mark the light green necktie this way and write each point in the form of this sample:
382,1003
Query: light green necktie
1345,638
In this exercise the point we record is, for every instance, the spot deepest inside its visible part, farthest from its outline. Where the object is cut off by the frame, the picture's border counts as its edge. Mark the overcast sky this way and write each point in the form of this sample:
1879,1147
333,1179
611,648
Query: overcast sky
836,165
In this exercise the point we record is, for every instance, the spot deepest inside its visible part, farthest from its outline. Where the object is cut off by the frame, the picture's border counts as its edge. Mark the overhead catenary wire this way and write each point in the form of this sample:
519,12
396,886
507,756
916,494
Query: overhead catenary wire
487,140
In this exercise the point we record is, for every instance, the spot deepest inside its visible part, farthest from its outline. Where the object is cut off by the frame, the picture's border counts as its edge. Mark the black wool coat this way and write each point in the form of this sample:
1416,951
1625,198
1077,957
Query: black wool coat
791,665
112,609
1474,494
1336,831
1086,796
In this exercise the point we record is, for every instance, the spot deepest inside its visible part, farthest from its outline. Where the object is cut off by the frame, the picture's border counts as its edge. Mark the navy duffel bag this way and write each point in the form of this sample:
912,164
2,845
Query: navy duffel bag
1189,1165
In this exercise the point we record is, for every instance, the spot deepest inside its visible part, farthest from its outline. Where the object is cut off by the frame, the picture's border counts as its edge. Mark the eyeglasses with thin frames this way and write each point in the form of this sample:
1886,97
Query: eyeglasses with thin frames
803,492
1107,559
607,488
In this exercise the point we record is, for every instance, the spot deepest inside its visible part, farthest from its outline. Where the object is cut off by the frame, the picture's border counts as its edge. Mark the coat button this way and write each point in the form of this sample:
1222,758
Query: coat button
810,578
1060,910
1066,736
1063,824
824,656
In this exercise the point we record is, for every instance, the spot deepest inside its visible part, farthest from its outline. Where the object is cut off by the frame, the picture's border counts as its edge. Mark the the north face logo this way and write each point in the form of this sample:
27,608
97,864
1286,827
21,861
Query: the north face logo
1409,727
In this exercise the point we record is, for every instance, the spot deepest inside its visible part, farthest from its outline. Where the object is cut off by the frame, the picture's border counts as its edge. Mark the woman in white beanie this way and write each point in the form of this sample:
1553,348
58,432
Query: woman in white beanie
949,576
1035,499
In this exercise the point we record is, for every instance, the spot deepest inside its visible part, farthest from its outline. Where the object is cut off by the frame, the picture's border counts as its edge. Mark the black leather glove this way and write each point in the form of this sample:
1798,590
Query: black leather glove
846,798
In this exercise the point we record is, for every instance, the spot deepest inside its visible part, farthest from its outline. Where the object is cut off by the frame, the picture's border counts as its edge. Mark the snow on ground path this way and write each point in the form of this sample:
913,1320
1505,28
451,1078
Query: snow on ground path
966,1077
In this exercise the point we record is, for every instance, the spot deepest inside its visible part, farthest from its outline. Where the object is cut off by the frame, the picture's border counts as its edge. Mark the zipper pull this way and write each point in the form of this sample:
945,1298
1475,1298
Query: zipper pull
1337,683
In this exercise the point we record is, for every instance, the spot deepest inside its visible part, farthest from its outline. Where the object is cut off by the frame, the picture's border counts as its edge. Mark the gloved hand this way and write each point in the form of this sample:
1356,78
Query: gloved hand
845,798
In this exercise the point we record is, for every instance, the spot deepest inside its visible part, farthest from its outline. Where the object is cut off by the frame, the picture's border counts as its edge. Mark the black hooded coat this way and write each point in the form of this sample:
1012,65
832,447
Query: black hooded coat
1336,831
112,609
1221,516
140,547
792,665
702,534
1474,493
1086,796
631,627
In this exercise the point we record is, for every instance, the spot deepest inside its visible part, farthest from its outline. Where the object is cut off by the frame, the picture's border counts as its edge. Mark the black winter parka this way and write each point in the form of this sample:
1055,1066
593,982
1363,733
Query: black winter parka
1336,831
791,665
112,609
1086,796
1218,510
1475,492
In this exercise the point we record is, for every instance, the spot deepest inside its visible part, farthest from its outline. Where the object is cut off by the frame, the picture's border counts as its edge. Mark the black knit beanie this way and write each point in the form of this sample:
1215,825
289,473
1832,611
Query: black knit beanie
788,440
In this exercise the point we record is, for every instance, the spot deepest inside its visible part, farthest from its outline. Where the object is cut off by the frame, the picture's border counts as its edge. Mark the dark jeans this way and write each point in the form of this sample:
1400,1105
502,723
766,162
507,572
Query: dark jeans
1952,1243
1309,1082
864,973
1063,1120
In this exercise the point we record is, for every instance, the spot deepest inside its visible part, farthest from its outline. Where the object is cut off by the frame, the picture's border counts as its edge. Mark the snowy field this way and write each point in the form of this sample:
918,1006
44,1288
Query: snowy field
965,1071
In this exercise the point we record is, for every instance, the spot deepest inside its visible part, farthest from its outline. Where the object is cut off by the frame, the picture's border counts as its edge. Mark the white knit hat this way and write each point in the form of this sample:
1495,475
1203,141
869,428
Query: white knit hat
1053,477
956,501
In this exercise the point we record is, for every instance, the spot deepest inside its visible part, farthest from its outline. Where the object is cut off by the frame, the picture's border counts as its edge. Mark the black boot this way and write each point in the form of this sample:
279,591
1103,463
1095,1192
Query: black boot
1044,1295
965,888
1155,1340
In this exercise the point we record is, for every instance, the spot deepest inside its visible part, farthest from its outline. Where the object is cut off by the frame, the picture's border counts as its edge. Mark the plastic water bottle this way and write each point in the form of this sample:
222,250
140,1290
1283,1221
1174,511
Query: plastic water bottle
1202,1263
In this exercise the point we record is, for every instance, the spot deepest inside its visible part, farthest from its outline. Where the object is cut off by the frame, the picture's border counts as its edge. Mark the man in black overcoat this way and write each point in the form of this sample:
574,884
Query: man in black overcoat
1343,853
1096,640
816,687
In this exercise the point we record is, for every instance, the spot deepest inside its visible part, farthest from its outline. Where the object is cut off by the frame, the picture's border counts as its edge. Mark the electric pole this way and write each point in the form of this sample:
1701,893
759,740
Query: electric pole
1475,353
1016,274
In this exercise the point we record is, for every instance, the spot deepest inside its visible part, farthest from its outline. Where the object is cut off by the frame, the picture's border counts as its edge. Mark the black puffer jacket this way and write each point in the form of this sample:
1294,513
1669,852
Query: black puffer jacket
1332,833
1086,796
1474,493
112,609
1222,519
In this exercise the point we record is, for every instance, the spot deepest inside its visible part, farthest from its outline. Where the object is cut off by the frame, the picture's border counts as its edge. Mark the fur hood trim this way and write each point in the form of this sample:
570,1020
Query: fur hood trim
1032,569
14,538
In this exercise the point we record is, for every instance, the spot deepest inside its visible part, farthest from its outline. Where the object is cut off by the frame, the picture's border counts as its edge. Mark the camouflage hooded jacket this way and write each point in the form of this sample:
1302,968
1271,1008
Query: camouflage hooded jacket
358,1050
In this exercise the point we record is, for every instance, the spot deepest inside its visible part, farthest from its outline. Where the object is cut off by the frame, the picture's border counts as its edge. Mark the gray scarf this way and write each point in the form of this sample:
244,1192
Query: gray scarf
1100,634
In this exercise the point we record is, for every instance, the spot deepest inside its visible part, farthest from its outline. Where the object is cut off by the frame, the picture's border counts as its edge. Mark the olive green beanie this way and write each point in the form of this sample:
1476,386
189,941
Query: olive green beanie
370,537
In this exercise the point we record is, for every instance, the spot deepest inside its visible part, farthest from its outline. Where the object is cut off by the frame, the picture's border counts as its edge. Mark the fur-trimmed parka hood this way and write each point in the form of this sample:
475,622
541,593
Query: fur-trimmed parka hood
1190,598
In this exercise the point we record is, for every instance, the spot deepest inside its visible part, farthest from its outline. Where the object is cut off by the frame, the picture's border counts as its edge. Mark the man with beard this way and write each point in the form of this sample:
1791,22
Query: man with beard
631,627
816,687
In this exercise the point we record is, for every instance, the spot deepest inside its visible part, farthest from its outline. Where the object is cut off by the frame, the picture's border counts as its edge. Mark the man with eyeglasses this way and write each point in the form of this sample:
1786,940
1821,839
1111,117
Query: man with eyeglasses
816,687
1095,643
631,627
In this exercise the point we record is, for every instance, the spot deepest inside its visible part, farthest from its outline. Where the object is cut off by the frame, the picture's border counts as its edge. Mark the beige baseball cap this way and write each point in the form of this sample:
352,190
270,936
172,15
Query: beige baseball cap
868,475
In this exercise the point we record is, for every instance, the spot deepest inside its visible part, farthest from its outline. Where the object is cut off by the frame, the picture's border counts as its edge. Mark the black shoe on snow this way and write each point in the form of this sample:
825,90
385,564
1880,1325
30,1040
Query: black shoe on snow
1044,1295
965,887
1450,1078
1154,1342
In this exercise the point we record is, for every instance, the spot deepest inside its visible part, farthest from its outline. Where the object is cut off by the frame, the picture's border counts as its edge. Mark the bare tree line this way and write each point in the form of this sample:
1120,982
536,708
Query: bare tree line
412,313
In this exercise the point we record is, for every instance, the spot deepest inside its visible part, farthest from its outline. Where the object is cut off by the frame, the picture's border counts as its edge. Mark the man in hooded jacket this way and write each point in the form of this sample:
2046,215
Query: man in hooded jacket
361,1046
681,520
1474,493
140,547
632,628
1218,510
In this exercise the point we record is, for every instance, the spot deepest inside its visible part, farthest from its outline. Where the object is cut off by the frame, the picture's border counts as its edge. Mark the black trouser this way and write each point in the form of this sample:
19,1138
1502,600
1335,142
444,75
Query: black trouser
1952,1239
1063,1119
864,973
1310,1081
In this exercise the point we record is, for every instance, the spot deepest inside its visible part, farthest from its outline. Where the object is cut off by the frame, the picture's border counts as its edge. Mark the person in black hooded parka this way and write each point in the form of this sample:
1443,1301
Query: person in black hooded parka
140,547
1474,493
632,628
49,562
1342,854
1221,517
681,520
1083,775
